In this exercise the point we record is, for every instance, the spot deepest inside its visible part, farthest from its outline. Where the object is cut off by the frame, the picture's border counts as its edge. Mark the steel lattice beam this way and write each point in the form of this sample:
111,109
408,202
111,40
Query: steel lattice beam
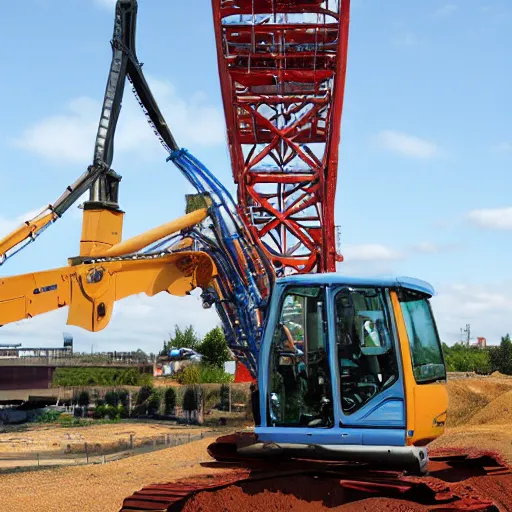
282,69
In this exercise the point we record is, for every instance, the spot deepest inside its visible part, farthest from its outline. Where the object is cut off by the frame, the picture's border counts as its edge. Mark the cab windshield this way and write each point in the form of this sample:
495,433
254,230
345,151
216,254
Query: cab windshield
426,353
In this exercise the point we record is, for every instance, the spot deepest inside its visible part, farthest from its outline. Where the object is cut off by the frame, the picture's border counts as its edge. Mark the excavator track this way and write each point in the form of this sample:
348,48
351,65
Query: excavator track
456,481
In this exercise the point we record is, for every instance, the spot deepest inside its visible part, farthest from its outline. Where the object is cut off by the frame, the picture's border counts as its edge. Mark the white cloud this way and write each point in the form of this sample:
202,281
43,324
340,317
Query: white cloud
405,39
369,253
446,10
431,248
137,322
487,309
406,144
426,247
492,218
9,224
68,138
502,147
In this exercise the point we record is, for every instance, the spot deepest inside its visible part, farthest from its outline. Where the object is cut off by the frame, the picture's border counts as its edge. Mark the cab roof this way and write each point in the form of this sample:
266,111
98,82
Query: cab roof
336,278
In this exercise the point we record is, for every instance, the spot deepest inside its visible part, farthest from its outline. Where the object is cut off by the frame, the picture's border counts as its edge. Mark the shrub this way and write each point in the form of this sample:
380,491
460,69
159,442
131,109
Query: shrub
84,399
112,398
48,416
224,397
143,395
170,400
99,411
124,398
154,402
214,348
210,374
190,400
191,375
203,374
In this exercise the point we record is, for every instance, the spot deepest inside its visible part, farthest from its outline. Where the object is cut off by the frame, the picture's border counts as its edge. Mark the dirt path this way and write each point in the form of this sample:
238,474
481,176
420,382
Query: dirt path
100,488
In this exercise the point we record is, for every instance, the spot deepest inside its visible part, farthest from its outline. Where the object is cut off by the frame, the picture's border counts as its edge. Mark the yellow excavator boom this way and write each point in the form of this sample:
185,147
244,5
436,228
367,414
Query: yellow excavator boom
107,270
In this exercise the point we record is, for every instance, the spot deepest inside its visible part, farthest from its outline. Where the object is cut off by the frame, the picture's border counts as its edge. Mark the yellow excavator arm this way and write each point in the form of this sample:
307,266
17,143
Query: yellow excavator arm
107,271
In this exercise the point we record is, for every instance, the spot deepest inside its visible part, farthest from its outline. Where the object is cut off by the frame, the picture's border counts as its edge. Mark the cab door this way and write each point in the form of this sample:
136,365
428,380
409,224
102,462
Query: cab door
295,374
423,366
370,386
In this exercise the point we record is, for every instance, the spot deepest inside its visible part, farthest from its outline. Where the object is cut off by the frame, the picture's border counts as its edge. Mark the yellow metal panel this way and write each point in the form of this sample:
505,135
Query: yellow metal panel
426,404
178,274
91,290
40,291
13,308
101,229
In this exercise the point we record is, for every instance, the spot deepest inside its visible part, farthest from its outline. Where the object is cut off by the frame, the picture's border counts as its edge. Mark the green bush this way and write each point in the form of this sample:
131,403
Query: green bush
84,399
48,416
224,397
124,398
191,375
87,376
112,398
154,402
143,395
108,412
170,400
214,348
204,374
460,358
190,400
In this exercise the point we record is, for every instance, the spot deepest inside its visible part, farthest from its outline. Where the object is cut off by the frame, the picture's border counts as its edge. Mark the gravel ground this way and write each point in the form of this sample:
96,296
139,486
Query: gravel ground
100,488
55,438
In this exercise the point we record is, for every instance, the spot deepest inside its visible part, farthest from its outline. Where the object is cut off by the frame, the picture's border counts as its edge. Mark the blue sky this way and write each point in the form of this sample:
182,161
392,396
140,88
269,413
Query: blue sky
425,159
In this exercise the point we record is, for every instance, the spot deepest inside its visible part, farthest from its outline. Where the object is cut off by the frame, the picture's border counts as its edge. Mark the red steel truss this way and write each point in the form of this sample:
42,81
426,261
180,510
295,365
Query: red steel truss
282,67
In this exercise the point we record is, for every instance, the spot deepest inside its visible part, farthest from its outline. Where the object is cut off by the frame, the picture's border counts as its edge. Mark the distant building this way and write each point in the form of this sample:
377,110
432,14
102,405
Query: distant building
481,343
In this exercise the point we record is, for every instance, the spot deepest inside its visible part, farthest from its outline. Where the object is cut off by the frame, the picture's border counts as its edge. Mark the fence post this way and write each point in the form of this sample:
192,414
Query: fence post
131,441
104,458
86,454
38,459
229,400
189,437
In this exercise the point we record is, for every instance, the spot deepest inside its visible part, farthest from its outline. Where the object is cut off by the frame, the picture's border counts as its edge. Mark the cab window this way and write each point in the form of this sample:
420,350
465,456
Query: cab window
366,354
299,376
426,353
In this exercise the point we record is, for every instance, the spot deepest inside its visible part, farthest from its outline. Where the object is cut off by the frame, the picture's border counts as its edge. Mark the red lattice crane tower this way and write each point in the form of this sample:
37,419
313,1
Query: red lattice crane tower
282,66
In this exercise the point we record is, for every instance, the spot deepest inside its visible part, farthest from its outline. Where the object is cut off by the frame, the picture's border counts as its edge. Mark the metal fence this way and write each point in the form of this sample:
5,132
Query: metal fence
87,453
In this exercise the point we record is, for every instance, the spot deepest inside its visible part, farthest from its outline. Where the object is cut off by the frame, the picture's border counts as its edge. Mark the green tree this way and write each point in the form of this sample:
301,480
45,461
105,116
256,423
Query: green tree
189,401
112,398
84,399
224,397
501,357
144,394
182,339
170,400
214,348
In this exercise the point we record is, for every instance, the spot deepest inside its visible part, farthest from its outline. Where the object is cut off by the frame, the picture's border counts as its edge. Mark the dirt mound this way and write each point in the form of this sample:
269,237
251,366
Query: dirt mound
498,375
497,412
468,397
234,499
